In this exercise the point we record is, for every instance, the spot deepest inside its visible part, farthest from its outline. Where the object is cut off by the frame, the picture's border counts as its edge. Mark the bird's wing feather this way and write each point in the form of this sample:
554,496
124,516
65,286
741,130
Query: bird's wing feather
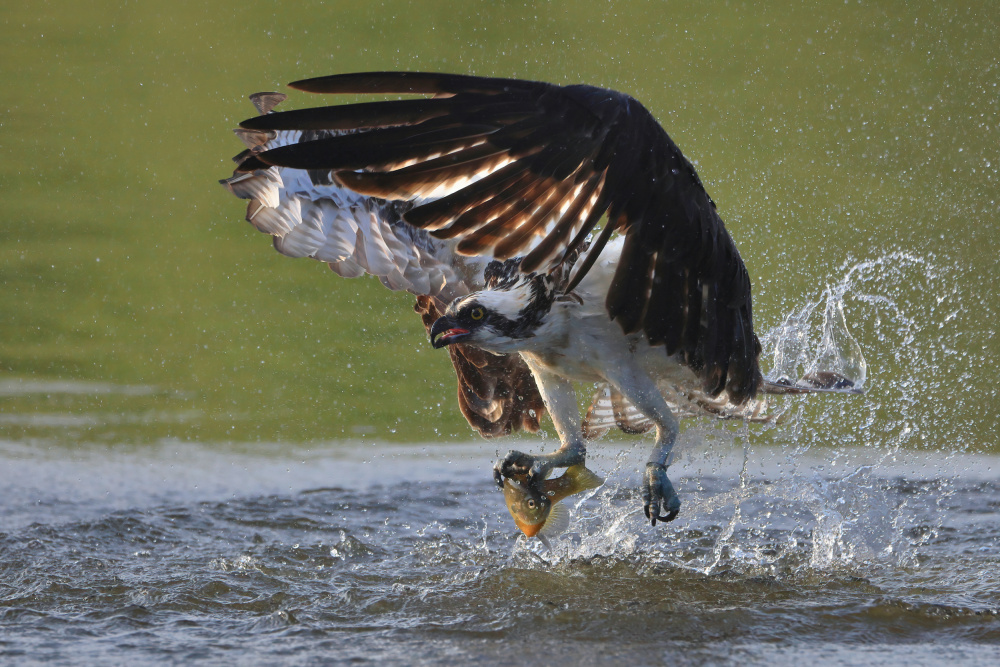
308,214
506,168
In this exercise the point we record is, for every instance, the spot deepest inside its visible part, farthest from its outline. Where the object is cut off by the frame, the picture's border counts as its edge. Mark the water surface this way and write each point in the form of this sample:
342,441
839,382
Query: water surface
210,453
191,554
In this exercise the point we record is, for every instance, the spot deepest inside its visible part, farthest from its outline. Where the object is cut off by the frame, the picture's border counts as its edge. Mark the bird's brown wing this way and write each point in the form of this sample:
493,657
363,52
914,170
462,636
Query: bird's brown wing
511,167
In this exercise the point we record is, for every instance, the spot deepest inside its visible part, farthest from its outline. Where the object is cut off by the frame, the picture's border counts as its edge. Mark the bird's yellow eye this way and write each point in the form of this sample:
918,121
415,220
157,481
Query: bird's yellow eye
477,313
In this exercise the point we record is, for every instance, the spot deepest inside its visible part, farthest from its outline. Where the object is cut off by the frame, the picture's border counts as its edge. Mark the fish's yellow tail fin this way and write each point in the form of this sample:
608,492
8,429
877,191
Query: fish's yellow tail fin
584,478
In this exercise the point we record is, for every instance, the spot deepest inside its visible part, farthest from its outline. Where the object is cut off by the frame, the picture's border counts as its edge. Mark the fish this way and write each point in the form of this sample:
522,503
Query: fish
535,507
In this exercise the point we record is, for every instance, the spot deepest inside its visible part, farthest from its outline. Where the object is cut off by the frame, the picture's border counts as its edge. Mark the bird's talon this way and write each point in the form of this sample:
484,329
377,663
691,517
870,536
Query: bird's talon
658,494
518,464
514,464
537,472
497,475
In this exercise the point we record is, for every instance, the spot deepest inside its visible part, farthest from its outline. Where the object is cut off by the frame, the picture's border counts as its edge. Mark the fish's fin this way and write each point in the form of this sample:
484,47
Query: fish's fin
583,478
557,521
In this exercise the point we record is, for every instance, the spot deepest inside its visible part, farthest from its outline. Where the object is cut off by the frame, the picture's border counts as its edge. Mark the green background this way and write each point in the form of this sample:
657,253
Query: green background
137,305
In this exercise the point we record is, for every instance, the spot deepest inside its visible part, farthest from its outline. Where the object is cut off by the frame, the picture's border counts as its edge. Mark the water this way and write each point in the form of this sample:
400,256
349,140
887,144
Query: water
824,535
213,454
200,555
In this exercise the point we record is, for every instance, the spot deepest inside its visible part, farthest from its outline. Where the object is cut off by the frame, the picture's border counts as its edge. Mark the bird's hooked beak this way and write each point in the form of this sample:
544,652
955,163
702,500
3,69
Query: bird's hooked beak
445,332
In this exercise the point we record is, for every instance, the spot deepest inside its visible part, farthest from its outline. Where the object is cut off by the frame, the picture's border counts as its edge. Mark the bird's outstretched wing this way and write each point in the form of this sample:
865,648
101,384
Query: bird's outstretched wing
505,167
310,215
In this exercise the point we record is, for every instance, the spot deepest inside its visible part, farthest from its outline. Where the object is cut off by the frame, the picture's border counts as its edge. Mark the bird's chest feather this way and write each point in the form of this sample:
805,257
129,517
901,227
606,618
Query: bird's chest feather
578,345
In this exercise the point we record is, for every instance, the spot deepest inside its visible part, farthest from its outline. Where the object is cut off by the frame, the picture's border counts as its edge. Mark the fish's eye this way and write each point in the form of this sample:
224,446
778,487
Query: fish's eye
477,313
531,503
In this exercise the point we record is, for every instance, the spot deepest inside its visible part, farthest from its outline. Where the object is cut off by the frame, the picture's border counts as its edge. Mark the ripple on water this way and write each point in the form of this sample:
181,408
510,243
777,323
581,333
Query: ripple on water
328,564
805,549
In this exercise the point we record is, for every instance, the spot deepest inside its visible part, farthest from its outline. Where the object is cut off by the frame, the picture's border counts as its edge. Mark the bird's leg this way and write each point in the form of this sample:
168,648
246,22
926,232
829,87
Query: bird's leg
657,492
560,401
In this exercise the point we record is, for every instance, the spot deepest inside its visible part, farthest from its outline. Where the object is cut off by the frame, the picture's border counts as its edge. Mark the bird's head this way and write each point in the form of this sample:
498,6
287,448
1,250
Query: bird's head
500,317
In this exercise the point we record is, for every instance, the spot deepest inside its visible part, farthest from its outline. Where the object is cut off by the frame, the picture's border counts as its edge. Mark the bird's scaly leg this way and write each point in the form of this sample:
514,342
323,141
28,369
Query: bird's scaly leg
657,492
560,401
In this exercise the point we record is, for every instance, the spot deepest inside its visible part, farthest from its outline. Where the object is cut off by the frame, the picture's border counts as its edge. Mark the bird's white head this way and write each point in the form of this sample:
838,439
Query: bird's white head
501,317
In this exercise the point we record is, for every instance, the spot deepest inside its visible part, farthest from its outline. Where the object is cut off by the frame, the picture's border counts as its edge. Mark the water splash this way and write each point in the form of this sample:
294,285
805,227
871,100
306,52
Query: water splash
831,486
815,337
797,352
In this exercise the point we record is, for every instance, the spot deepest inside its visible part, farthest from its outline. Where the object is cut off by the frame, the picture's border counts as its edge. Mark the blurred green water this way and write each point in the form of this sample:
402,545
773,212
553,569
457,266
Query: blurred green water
827,133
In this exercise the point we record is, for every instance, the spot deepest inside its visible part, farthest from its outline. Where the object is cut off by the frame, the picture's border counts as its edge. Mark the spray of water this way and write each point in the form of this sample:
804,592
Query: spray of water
829,486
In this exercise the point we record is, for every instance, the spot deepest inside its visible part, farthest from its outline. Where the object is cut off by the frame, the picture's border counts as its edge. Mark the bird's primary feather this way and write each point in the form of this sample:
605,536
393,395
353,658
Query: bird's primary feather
502,167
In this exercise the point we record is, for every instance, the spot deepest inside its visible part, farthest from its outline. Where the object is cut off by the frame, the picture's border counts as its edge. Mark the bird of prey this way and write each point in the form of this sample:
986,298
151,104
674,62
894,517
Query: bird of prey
552,235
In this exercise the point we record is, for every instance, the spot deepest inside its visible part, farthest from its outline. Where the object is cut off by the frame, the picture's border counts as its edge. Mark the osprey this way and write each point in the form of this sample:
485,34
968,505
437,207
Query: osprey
551,234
